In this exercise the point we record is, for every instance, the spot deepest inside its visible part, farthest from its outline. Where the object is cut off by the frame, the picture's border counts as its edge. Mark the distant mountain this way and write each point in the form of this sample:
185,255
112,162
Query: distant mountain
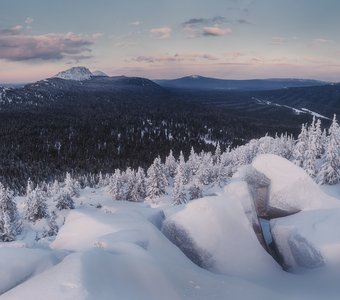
73,83
206,83
99,73
75,73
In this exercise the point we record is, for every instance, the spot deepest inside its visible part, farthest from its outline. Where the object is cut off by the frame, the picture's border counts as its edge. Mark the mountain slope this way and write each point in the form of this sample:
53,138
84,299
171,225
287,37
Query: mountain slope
205,83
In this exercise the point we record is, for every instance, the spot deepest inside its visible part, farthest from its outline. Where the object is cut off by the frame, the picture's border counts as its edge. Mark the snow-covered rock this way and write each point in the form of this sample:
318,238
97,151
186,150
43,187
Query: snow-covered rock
99,73
308,239
291,189
216,233
239,191
18,264
75,73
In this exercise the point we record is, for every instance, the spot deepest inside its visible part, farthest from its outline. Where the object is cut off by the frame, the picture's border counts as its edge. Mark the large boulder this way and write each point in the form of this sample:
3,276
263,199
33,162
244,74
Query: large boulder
308,239
215,233
280,188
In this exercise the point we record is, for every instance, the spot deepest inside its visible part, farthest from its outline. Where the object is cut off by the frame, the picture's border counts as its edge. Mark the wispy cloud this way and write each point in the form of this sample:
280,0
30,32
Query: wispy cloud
11,31
278,40
198,27
205,21
215,31
135,23
162,32
321,41
29,21
16,46
178,57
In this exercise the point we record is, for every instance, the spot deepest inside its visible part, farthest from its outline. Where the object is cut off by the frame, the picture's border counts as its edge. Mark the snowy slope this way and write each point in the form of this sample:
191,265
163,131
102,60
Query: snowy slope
99,73
75,73
116,250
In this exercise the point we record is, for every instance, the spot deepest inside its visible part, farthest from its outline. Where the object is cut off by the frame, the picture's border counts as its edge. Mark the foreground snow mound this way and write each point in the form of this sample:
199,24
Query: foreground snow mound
19,264
291,189
215,233
308,239
121,254
75,73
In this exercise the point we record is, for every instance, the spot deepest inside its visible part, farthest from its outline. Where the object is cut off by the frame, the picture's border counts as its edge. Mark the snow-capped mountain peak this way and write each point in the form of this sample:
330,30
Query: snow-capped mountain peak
99,73
75,73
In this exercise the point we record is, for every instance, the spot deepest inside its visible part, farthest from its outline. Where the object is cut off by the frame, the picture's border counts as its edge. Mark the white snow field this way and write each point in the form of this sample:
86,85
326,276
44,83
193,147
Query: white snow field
119,250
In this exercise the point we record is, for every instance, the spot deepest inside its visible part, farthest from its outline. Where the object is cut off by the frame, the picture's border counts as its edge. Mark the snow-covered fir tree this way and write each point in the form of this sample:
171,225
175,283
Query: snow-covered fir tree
179,196
300,147
330,169
156,179
138,192
115,187
170,165
196,190
52,224
64,201
71,186
10,224
35,204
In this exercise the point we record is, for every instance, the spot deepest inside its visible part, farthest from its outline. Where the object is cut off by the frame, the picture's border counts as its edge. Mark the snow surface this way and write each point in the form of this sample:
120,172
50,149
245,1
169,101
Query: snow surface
309,238
291,188
115,250
75,73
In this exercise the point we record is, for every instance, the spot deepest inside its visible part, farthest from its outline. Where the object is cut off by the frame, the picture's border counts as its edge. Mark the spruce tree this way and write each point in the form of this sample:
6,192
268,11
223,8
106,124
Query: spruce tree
71,186
179,196
35,204
10,224
330,169
156,179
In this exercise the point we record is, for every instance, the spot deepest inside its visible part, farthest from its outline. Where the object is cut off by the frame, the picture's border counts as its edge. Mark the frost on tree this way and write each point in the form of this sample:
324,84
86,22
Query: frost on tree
72,186
10,224
170,165
300,147
195,191
64,201
35,204
52,224
179,196
138,192
330,169
156,181
116,185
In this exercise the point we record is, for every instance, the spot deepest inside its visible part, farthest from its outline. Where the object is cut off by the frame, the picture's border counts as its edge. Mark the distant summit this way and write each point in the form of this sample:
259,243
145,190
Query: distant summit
75,73
99,74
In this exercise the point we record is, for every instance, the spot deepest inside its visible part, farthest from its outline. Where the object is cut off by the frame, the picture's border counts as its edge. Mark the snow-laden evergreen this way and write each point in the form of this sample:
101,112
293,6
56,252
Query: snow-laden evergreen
10,224
35,203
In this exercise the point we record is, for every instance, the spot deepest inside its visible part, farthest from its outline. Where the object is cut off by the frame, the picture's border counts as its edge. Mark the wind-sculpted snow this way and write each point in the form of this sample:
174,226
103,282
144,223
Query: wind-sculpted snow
308,239
117,253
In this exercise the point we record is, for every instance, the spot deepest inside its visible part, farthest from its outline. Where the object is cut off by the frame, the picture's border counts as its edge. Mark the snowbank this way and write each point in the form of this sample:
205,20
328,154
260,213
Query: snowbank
19,264
216,232
308,239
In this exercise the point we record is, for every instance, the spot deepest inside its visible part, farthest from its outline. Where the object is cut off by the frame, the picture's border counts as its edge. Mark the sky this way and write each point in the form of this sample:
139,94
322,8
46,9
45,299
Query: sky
160,39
